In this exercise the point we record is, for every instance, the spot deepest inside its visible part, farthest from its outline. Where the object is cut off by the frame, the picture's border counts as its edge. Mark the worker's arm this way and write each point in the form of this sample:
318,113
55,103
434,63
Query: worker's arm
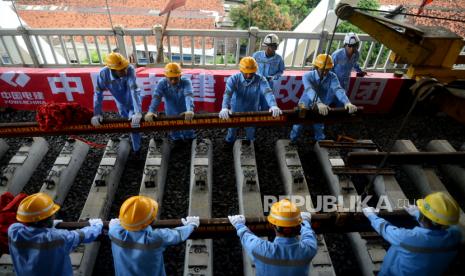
230,88
175,235
156,97
135,90
267,92
189,95
98,94
308,238
394,235
338,90
249,241
84,235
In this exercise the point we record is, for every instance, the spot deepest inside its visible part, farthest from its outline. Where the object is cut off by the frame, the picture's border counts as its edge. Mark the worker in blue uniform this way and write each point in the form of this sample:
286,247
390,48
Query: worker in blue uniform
427,249
179,100
36,247
270,64
119,77
321,87
287,254
137,248
242,94
345,59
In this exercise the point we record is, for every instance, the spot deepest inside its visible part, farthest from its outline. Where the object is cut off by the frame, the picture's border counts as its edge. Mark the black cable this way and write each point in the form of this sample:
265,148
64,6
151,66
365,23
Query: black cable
412,14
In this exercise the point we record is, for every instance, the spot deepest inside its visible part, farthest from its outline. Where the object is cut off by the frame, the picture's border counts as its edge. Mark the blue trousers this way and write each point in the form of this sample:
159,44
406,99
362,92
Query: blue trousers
231,136
318,130
182,135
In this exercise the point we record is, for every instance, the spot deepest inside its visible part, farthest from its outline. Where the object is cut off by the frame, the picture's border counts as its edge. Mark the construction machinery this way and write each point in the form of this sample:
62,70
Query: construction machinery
431,53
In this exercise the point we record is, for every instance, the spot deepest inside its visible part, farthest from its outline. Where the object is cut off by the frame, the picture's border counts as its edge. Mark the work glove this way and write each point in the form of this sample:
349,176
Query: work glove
322,109
113,222
412,210
191,220
275,111
188,115
306,216
367,211
135,119
96,120
56,222
352,108
224,113
236,220
95,221
150,116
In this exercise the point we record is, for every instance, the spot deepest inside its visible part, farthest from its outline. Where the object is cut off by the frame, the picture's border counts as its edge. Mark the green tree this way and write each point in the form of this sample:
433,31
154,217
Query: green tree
296,10
263,14
346,27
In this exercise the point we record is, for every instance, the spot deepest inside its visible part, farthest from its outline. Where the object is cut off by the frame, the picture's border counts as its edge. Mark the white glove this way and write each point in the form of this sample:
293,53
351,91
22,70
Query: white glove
352,108
135,119
306,216
188,115
412,210
224,113
95,221
367,211
56,222
191,220
236,220
96,120
150,116
322,109
275,111
113,222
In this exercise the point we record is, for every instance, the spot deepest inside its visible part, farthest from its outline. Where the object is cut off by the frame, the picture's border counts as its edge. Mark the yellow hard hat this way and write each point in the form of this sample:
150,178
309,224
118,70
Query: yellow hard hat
138,212
172,70
440,208
36,207
248,65
116,61
321,59
285,214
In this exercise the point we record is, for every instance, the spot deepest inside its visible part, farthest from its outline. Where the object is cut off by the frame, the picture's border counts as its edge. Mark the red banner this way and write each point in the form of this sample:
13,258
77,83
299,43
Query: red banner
28,88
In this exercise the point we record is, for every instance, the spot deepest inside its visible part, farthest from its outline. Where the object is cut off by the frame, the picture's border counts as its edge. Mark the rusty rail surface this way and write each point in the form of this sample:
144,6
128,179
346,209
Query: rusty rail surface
218,228
200,121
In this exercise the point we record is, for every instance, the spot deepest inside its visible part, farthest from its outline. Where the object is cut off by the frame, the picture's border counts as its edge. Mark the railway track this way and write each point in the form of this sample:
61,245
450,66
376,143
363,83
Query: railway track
339,165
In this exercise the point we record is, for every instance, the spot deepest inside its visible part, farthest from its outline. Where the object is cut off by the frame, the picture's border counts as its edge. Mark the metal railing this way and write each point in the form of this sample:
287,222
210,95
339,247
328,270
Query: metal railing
215,49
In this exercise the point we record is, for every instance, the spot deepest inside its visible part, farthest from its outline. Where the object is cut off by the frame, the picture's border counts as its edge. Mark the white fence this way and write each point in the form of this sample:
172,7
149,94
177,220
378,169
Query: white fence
215,49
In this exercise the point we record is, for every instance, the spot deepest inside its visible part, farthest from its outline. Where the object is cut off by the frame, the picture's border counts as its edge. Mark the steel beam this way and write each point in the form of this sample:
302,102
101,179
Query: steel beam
425,179
64,170
248,189
22,165
154,175
401,158
293,177
199,253
99,200
208,120
453,172
220,228
369,252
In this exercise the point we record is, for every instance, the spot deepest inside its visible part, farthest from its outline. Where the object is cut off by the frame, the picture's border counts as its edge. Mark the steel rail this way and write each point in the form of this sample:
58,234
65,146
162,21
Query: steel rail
200,121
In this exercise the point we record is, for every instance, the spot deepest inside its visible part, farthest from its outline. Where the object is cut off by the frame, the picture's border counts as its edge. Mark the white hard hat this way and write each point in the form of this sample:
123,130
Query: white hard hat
270,39
351,39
